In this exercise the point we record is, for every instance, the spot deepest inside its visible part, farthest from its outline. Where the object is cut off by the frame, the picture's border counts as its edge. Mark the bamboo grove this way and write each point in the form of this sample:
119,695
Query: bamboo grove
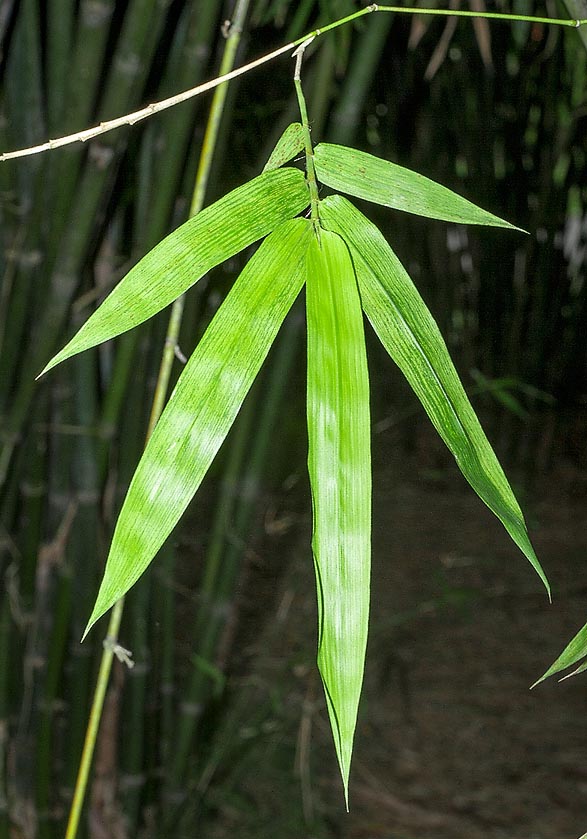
73,222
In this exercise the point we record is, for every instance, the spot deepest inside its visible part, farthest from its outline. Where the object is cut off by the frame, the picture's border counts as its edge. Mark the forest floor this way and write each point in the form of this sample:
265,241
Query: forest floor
450,743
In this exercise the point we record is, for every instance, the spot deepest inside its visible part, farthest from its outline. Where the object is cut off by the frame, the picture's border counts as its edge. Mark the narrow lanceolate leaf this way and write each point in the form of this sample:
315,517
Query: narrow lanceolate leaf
339,462
182,258
575,650
409,333
203,406
289,144
365,176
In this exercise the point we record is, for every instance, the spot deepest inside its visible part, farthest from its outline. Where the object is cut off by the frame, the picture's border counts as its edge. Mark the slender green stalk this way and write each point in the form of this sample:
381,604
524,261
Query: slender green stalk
202,176
95,715
310,170
415,10
157,407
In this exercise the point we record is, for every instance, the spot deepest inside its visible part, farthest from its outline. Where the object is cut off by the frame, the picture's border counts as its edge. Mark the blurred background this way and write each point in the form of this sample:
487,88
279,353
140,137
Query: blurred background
220,729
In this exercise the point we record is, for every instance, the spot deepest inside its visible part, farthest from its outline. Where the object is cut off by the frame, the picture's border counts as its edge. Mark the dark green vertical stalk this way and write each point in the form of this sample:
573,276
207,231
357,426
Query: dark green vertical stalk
358,79
137,619
232,524
215,591
129,67
59,34
117,611
4,710
84,77
189,59
25,124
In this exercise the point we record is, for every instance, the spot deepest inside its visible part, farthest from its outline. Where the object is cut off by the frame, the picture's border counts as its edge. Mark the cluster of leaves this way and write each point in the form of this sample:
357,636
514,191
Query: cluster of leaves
348,268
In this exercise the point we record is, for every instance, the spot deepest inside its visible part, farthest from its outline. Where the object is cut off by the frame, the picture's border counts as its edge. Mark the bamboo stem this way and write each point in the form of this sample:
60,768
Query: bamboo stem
357,80
4,711
157,406
94,721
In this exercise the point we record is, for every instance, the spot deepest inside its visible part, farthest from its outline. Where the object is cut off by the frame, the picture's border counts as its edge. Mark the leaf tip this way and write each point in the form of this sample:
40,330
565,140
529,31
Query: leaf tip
97,613
45,369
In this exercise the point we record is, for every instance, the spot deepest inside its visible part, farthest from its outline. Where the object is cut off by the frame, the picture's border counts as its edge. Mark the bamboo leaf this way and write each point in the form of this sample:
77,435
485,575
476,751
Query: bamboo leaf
339,463
575,650
365,176
409,333
203,406
216,233
289,144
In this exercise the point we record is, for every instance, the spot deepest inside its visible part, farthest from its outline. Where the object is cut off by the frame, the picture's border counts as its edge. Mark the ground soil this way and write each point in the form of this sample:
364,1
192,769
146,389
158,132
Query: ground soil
451,743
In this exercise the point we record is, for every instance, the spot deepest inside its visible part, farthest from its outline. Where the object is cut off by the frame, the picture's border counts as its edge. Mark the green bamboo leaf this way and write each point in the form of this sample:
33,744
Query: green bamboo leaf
575,650
365,176
339,463
409,333
216,233
289,144
203,406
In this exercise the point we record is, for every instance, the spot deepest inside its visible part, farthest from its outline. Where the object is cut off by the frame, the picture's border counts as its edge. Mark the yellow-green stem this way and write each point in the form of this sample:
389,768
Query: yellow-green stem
94,721
168,354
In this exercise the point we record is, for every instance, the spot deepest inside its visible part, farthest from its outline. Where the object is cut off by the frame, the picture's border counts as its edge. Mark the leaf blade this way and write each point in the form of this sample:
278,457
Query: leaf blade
365,176
575,650
289,144
215,234
339,463
203,406
409,333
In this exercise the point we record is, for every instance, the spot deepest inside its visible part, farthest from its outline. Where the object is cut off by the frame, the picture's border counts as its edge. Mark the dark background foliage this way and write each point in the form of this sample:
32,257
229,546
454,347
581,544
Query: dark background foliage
497,113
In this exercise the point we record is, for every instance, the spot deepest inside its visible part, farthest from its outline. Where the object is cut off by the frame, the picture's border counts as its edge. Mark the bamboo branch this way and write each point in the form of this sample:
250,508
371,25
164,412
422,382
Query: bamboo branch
184,96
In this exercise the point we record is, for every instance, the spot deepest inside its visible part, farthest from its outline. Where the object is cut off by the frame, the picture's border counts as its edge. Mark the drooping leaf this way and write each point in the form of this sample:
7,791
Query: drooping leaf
365,176
203,406
409,333
339,463
289,144
216,233
575,650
